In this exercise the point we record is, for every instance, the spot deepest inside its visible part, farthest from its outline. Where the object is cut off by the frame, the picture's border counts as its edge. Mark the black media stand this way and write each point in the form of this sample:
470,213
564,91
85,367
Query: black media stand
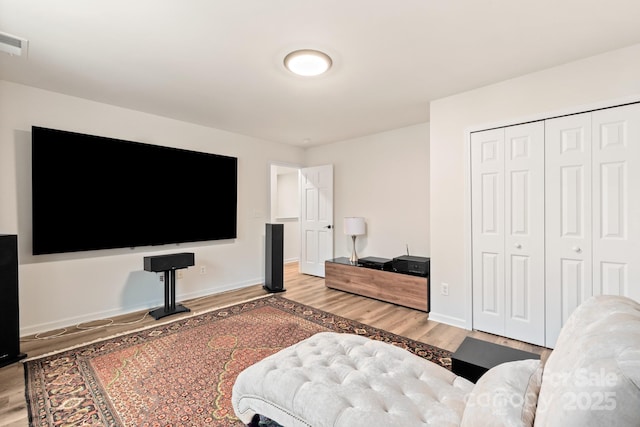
169,264
474,357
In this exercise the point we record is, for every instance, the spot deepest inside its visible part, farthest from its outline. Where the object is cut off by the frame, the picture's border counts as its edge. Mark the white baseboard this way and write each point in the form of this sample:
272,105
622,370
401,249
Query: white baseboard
448,320
71,322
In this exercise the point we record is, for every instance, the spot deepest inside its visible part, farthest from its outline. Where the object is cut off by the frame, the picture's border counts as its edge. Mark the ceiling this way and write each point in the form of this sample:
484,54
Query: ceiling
218,63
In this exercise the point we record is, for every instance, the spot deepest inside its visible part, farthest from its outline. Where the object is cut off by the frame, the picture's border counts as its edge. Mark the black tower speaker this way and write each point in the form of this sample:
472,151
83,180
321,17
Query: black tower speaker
274,258
9,318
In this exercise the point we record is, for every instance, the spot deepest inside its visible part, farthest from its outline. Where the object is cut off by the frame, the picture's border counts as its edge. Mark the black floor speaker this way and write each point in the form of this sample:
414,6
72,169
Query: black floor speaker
9,315
274,258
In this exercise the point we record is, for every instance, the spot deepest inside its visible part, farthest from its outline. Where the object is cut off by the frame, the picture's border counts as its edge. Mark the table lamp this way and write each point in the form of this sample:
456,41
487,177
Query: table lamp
354,226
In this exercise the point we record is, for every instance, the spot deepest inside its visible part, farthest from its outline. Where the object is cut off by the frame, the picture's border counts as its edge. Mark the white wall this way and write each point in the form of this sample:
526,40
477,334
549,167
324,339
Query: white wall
567,88
62,290
385,178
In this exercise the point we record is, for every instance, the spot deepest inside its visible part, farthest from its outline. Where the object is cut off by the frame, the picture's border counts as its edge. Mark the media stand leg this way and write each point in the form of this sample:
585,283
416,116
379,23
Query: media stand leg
168,286
170,306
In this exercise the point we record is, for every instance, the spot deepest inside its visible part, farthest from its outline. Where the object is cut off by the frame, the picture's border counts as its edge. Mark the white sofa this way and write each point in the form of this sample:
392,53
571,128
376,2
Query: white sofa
591,378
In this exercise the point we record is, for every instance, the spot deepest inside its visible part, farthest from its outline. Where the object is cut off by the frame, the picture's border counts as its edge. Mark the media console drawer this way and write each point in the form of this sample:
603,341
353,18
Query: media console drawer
402,289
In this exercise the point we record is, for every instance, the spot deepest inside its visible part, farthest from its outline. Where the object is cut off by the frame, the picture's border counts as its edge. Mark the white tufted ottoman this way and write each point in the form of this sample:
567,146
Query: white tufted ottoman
337,379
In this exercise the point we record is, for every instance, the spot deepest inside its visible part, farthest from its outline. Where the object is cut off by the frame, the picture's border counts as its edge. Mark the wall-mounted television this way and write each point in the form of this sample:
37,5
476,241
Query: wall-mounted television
93,192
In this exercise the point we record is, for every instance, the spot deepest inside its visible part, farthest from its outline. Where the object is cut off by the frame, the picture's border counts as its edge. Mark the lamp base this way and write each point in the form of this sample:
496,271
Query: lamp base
354,256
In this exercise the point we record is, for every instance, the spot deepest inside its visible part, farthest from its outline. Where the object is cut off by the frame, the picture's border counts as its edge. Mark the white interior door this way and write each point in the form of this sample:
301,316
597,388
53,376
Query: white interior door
568,219
316,218
487,206
555,219
616,200
524,232
593,232
507,198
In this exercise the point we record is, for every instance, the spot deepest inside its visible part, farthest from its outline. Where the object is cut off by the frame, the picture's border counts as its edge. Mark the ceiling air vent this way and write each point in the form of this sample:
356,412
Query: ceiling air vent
13,45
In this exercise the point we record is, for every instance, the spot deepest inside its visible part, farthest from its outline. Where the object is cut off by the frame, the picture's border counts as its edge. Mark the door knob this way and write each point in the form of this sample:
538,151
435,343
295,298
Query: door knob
328,226
576,249
518,246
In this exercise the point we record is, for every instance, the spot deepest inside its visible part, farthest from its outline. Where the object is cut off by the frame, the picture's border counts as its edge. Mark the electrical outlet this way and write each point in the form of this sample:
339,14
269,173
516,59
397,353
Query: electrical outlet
444,289
161,276
203,269
179,274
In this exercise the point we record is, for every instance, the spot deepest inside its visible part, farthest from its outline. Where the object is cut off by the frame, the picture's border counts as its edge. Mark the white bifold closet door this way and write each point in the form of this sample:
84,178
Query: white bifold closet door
507,198
592,210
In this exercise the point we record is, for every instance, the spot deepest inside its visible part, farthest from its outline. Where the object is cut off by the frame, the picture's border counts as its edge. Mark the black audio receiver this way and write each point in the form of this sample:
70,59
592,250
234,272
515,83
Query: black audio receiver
409,264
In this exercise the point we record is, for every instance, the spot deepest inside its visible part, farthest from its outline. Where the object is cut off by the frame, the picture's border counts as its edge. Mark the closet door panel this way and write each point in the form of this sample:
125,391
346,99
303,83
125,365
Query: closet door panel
487,205
568,267
616,201
524,228
575,288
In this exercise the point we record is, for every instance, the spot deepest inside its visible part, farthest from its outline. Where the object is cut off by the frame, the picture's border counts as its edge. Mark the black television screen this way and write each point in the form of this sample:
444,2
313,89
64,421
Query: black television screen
92,192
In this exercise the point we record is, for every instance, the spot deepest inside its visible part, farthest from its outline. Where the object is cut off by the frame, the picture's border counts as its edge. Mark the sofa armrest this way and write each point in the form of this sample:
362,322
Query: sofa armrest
592,377
505,396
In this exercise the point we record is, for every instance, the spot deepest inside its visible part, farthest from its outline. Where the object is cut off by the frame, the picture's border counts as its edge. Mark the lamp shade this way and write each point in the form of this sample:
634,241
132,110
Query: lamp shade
354,225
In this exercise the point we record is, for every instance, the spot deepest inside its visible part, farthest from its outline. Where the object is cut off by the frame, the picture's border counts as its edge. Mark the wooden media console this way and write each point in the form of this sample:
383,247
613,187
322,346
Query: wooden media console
397,288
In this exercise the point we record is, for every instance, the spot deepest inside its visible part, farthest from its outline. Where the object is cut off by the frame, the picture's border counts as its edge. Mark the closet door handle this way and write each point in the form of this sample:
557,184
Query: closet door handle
576,249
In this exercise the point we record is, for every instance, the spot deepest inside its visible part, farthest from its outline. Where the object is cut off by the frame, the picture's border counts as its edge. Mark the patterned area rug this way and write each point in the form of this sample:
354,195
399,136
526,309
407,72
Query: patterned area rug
180,373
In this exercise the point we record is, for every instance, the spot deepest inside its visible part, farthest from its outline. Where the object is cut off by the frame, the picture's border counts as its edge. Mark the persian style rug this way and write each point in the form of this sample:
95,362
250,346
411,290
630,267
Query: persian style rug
179,373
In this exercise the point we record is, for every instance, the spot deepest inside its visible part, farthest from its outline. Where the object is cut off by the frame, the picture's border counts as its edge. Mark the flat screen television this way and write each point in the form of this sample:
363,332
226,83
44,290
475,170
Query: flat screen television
92,192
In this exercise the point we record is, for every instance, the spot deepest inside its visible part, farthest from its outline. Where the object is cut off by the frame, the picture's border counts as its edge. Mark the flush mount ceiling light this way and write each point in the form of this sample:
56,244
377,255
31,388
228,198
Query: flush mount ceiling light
307,62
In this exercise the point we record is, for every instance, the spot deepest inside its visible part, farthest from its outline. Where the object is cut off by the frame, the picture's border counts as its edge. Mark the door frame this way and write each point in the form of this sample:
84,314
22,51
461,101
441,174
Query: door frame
272,215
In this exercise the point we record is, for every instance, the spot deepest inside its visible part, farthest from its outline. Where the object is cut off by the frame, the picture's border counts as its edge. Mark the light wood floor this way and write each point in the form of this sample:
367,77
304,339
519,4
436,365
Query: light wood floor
304,289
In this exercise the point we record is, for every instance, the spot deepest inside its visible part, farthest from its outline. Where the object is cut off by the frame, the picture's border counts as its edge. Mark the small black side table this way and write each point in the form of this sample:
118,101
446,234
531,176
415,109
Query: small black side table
169,264
474,357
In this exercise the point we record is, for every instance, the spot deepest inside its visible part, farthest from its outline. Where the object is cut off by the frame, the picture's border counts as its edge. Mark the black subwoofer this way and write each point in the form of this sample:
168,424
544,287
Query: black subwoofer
9,312
274,258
